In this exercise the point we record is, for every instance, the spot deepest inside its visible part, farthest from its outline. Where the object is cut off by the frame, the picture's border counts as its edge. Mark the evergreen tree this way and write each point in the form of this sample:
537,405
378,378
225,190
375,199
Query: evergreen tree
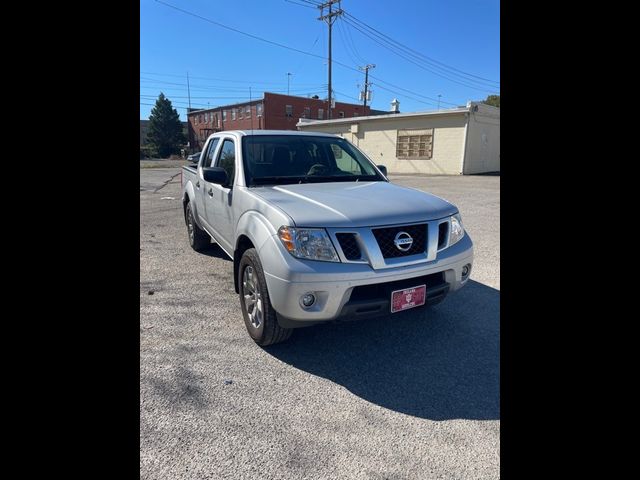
165,128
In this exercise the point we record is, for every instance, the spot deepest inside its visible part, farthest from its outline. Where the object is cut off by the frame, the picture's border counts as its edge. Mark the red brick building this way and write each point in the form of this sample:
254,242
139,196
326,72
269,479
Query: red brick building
272,112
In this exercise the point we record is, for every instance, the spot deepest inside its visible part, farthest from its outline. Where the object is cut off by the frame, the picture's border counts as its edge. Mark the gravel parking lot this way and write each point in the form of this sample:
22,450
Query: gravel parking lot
412,396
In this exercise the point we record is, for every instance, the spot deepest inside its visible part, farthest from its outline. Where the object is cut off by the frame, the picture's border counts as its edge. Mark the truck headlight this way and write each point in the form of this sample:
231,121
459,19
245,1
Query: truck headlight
457,231
308,243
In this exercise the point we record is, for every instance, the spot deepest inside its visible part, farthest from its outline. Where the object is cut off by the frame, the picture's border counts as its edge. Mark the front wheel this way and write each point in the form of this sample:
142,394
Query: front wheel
259,316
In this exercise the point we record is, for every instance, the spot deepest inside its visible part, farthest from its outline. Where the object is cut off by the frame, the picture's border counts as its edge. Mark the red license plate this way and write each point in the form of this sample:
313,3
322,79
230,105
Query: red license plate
408,298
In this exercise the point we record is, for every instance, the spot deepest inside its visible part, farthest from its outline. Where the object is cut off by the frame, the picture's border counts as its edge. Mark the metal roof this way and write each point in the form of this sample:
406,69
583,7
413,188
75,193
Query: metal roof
449,111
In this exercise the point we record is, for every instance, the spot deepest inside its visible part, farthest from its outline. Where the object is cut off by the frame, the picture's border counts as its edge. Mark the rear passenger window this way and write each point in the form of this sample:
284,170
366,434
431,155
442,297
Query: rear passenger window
227,159
208,159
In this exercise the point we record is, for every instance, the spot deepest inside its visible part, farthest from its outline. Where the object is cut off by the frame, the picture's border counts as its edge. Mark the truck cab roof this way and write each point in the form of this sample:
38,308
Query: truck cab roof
276,132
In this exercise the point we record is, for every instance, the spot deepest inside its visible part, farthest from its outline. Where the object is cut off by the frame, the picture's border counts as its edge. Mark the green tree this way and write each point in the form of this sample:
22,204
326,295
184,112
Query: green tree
165,128
493,100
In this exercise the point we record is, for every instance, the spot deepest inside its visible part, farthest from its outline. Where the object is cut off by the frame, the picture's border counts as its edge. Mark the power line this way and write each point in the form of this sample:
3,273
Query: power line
209,78
407,56
299,4
239,31
404,55
348,96
346,46
353,44
425,57
405,90
407,96
283,46
177,90
294,92
221,87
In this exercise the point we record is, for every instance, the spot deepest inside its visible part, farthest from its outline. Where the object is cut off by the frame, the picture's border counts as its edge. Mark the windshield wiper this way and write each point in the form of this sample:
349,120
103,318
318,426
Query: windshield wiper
340,178
274,180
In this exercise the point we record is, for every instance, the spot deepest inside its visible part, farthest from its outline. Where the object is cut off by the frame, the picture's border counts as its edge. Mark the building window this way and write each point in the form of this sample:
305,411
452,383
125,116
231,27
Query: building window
240,110
248,112
195,119
415,144
224,115
234,113
320,113
355,114
307,112
288,110
201,118
341,114
206,117
259,110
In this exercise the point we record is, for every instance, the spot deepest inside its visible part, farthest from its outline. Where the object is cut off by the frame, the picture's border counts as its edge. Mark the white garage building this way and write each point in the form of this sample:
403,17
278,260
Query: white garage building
456,141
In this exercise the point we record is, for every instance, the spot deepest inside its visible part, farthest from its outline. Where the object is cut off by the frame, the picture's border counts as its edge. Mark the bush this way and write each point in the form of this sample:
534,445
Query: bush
148,151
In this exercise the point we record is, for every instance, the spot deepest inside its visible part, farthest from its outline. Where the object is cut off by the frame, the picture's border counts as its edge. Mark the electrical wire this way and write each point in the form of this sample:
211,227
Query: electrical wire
407,57
282,45
423,56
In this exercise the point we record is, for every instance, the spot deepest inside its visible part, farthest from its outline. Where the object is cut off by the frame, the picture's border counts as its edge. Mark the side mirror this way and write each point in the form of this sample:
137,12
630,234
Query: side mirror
215,175
383,169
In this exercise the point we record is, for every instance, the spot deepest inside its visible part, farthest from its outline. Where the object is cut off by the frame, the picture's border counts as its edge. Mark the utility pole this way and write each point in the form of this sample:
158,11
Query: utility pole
366,81
329,18
288,77
439,95
188,91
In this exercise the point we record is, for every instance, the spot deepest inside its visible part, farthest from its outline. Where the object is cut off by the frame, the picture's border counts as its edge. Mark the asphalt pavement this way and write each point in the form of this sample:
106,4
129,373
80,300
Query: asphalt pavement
409,396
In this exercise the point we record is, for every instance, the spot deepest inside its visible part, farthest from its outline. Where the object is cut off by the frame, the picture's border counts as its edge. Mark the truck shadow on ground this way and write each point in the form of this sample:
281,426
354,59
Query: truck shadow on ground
442,363
214,250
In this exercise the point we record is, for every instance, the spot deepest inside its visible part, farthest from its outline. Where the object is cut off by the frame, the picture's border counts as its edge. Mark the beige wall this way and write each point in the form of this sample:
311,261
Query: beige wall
377,138
483,141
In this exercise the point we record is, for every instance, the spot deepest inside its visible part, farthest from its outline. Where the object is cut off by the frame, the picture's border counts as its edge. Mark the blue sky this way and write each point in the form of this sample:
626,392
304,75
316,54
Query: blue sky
455,51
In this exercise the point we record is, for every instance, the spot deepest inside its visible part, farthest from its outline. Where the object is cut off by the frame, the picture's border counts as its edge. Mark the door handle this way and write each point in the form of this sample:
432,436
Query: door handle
211,192
198,184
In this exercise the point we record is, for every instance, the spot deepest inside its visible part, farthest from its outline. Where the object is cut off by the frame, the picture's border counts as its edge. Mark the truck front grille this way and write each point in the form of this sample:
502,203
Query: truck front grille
443,230
349,246
386,236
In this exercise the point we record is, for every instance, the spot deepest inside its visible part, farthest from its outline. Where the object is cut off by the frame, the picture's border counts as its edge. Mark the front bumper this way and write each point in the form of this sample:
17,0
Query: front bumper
289,278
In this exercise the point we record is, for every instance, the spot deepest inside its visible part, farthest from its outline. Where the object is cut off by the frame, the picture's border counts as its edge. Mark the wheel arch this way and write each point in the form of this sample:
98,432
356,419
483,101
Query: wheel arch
252,231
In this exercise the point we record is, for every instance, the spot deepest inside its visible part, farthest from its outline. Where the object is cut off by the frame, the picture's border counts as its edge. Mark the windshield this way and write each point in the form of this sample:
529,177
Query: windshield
280,159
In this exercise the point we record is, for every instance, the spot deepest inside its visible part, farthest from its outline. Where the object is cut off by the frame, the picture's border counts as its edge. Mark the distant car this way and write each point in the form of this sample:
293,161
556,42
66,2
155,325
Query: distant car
194,157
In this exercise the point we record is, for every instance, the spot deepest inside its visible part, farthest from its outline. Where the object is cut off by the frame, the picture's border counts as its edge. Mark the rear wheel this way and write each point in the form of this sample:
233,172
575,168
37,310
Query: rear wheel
259,316
198,238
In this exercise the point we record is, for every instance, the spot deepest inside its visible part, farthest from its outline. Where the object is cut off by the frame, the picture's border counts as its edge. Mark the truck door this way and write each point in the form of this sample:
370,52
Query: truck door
206,160
219,198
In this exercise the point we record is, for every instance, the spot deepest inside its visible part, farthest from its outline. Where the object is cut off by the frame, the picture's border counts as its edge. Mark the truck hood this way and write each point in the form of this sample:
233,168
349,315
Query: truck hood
354,204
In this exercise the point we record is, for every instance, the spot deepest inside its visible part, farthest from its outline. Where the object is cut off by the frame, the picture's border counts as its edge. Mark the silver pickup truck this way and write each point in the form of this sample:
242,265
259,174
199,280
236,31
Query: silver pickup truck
317,232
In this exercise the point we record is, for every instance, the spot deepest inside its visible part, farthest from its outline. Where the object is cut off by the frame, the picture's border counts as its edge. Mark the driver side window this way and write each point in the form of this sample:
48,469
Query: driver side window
208,158
227,159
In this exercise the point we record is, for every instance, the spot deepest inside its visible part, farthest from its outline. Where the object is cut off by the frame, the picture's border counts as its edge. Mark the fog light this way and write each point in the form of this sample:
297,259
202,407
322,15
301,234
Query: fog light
465,270
307,300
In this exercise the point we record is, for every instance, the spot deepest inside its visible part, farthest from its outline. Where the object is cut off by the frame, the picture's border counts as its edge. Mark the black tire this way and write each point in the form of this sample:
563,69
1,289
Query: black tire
198,238
261,322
